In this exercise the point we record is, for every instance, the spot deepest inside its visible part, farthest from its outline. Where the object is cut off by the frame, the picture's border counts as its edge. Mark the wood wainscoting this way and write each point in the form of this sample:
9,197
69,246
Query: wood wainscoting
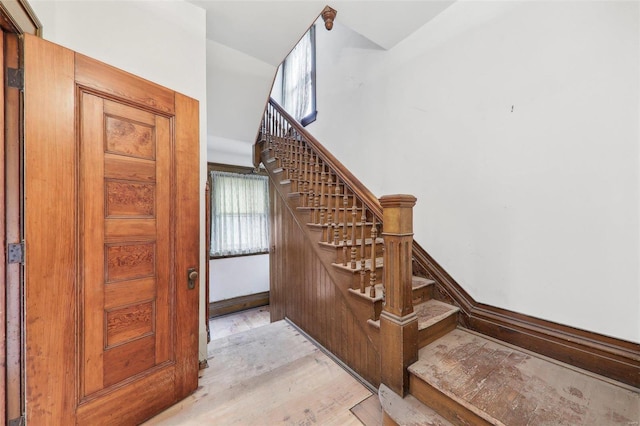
306,292
237,304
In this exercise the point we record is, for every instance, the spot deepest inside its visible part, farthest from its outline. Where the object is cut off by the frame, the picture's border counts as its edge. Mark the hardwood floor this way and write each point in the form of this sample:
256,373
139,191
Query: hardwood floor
227,325
268,374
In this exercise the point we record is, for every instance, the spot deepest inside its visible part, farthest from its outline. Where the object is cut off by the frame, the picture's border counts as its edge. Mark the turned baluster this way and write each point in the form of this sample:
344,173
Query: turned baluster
316,189
363,221
294,164
354,250
336,215
305,174
328,206
372,276
323,182
345,206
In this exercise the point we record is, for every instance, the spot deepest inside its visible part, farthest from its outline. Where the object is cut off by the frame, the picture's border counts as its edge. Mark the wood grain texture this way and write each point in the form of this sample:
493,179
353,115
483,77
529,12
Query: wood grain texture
268,376
237,304
74,248
186,190
504,385
125,361
50,228
130,261
308,290
130,199
93,253
110,81
128,323
129,138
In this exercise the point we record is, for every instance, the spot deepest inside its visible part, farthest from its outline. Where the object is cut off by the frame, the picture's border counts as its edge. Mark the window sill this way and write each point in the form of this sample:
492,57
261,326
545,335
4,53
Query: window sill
226,256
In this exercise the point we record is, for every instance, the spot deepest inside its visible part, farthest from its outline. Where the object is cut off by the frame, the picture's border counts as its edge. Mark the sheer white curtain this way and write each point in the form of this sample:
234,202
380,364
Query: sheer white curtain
239,214
297,79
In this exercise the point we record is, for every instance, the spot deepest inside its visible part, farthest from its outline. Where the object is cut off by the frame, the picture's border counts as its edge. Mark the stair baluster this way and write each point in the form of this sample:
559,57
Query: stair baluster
336,214
345,206
363,221
354,228
372,276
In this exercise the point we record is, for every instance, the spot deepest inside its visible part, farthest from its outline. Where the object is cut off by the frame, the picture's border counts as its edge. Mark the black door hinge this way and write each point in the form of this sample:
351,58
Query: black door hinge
15,253
18,421
15,78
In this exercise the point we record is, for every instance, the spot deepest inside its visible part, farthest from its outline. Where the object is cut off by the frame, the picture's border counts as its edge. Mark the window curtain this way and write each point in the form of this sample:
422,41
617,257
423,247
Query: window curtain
297,79
239,214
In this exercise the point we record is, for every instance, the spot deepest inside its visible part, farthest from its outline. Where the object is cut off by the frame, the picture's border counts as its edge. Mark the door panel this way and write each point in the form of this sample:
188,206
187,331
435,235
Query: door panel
125,177
124,193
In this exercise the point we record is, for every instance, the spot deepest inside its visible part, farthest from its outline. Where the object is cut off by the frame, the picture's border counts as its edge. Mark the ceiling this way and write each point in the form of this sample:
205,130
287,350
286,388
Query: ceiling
247,40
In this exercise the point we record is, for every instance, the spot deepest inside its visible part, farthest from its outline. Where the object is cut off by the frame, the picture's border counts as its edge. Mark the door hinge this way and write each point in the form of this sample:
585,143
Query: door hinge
15,253
15,78
18,421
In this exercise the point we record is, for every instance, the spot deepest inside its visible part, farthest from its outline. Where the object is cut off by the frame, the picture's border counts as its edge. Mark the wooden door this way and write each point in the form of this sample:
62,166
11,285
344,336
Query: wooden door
111,230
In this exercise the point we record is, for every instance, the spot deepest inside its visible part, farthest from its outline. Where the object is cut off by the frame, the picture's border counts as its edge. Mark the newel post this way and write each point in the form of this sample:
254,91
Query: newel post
398,322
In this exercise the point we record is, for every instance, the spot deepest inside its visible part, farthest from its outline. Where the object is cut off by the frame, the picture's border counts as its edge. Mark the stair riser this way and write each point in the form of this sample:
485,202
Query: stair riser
354,277
437,330
340,253
443,405
422,294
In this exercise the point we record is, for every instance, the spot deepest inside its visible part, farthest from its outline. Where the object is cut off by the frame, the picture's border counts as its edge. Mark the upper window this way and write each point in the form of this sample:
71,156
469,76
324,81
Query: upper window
239,214
299,80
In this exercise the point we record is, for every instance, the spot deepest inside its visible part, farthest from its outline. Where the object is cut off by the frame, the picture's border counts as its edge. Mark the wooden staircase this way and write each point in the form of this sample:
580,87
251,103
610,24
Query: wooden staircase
412,335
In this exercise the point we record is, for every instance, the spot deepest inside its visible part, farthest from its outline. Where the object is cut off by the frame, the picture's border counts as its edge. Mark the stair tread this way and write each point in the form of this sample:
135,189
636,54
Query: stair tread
505,385
367,242
408,410
432,311
379,293
419,282
367,265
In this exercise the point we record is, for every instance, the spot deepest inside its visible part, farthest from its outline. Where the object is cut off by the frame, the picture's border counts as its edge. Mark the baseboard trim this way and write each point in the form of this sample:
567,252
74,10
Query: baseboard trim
613,358
237,304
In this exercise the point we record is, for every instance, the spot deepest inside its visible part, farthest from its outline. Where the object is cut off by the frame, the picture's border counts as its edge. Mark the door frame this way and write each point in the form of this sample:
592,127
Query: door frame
16,18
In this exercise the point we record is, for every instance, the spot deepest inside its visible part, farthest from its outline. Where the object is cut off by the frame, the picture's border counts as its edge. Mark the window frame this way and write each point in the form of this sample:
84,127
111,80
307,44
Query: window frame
219,167
311,117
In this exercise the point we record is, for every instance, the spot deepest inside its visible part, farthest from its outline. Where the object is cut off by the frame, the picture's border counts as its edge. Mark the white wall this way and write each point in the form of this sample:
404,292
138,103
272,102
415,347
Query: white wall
161,41
238,276
516,125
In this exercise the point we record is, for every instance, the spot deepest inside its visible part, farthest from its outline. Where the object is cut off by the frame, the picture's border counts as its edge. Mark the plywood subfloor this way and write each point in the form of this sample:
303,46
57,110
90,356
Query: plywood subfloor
271,375
519,388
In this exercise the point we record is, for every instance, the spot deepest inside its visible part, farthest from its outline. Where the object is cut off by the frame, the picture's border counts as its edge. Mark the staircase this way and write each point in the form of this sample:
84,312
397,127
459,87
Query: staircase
429,370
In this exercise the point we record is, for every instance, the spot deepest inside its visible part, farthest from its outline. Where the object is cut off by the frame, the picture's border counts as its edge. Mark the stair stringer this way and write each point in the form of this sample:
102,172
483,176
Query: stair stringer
321,304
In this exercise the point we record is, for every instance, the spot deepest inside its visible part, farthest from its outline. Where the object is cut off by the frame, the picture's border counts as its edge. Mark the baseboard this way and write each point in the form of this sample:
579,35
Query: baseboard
607,356
237,304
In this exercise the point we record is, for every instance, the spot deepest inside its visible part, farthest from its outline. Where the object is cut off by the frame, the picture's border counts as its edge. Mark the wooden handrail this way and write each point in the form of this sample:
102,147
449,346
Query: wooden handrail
347,177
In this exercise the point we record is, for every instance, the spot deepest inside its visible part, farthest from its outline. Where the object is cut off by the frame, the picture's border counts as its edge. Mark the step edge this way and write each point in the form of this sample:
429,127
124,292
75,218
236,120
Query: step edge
408,411
456,399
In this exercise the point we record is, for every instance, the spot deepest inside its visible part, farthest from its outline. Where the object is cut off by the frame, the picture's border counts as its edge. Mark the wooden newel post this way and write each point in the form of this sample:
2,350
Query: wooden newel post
398,322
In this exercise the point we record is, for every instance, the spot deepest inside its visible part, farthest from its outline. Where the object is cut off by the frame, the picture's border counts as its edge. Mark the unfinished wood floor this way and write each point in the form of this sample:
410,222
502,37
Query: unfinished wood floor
270,375
505,385
227,325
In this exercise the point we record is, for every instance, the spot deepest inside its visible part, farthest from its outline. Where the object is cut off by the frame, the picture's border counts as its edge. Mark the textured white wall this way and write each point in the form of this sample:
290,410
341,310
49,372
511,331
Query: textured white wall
516,125
161,41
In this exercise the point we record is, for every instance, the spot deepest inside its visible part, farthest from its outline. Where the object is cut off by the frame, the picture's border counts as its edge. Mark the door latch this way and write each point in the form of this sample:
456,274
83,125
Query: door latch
192,276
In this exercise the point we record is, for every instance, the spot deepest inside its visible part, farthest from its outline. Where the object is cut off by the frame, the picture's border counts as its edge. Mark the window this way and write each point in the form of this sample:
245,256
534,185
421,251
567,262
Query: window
299,80
239,214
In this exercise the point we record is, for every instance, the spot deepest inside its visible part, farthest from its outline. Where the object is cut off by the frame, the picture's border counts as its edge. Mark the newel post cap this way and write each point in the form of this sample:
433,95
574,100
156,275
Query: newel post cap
398,200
